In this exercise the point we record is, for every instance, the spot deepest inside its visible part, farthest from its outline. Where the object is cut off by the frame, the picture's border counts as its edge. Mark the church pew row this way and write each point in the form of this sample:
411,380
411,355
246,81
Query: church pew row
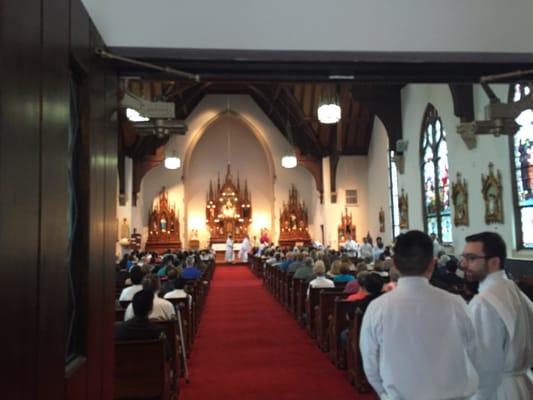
323,315
323,312
142,370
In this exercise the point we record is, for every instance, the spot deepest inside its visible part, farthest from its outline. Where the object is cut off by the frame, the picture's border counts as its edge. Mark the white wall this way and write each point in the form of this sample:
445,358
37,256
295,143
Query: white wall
345,25
203,151
378,182
471,163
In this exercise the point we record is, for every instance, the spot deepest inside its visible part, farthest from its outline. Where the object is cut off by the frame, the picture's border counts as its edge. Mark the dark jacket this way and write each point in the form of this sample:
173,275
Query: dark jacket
137,329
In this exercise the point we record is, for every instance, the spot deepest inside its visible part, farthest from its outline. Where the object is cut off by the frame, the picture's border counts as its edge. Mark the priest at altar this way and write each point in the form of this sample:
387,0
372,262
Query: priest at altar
245,249
229,257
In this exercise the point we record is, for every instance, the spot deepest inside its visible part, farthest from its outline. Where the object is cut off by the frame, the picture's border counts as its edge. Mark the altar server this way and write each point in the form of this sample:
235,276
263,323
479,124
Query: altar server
351,247
417,342
245,248
229,249
503,320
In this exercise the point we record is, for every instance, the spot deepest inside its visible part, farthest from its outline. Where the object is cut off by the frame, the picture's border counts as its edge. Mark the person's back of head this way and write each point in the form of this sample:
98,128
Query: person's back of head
361,266
172,273
189,262
374,284
336,267
345,269
308,262
413,254
136,275
319,269
345,258
151,282
361,278
142,303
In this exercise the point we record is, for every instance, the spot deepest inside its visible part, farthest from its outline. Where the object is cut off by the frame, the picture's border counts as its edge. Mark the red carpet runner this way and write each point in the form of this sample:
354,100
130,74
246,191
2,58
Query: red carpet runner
248,347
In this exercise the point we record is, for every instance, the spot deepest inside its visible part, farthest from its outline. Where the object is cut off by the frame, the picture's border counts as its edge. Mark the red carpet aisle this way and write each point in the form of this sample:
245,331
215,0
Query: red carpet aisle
248,347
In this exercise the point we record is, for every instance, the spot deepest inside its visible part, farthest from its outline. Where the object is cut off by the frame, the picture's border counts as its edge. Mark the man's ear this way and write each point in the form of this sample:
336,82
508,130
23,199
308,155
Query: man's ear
494,264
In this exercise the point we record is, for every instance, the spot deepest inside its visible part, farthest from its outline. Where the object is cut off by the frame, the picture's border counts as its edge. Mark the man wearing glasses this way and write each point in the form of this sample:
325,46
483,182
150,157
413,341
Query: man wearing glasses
503,319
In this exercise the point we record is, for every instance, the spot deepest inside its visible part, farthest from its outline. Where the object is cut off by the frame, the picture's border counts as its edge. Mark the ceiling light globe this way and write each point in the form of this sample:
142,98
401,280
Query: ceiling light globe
329,113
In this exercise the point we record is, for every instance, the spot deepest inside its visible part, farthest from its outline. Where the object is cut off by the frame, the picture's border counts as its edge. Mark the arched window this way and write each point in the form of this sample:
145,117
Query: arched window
434,172
522,165
393,190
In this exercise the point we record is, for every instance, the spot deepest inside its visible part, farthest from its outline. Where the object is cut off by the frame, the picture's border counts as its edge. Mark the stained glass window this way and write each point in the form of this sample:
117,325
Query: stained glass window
393,188
434,171
523,169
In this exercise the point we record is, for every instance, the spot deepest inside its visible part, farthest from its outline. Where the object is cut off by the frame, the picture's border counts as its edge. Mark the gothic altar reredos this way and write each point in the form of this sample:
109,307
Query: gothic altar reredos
293,222
163,226
228,210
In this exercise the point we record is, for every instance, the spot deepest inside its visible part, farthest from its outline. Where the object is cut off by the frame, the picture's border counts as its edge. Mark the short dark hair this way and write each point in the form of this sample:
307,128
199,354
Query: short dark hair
493,245
136,275
151,282
413,252
142,303
374,283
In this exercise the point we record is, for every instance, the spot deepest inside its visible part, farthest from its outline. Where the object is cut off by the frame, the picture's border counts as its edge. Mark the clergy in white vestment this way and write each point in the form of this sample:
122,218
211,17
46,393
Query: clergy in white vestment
503,320
245,248
417,342
366,251
351,247
229,249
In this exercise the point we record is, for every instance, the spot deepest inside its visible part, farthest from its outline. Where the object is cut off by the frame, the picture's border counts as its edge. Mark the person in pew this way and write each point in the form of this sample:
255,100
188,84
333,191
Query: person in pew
297,263
353,286
344,275
170,284
179,292
305,271
362,292
190,272
139,327
136,276
335,269
394,276
503,319
289,259
417,342
162,309
319,270
346,260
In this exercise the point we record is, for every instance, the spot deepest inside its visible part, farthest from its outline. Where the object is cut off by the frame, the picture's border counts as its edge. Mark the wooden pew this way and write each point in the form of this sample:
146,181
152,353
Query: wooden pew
183,305
338,323
141,370
356,374
301,299
326,302
172,333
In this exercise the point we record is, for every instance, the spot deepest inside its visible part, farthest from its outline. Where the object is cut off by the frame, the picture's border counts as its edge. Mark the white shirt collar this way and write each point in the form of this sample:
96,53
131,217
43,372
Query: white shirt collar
491,279
412,281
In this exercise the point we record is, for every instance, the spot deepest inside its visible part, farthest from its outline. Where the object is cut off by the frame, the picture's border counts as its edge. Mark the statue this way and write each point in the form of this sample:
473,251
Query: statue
381,220
404,211
125,229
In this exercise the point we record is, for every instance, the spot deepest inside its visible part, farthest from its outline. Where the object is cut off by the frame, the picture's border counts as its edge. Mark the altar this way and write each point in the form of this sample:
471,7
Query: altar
293,222
228,210
163,227
220,252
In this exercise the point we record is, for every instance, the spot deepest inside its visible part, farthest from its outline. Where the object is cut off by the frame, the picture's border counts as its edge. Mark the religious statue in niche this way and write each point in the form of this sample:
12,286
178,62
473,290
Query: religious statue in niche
491,188
460,202
125,229
163,226
346,228
403,204
381,220
293,221
228,209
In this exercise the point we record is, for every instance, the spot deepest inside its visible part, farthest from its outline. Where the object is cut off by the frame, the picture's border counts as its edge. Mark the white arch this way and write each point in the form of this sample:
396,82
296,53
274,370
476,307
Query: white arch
193,142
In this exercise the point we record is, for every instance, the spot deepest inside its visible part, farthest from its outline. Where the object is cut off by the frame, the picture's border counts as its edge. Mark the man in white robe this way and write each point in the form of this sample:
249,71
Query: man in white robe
503,320
351,247
245,248
366,251
229,250
417,342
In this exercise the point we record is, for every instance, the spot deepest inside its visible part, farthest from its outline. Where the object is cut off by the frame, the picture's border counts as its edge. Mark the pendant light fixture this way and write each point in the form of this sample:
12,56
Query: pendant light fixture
172,161
329,109
289,160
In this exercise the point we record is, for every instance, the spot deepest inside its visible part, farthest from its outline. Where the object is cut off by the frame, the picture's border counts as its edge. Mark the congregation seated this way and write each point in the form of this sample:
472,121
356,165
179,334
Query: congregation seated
362,292
162,309
394,276
445,276
190,272
289,259
136,276
346,260
305,271
319,270
139,327
344,275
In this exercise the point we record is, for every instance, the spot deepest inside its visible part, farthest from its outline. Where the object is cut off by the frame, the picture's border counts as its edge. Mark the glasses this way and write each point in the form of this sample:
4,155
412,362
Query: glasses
472,257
